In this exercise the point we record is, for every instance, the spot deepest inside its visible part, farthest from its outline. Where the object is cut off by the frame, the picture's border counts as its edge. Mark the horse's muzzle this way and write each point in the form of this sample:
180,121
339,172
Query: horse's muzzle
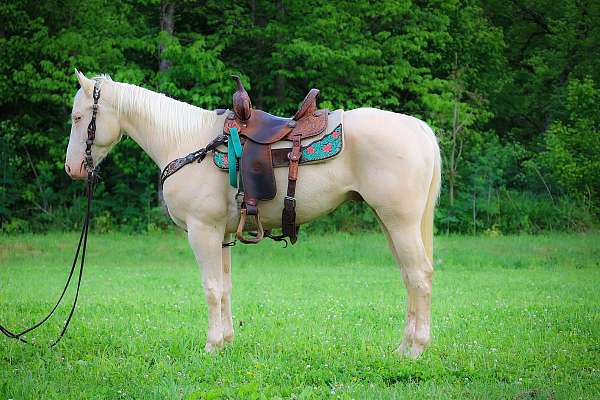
76,173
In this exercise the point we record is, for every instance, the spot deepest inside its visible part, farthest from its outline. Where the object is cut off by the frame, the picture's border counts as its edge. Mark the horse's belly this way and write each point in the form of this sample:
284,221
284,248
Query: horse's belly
320,188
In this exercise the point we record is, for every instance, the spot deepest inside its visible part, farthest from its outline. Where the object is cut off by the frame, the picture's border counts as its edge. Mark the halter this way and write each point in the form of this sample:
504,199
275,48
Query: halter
91,180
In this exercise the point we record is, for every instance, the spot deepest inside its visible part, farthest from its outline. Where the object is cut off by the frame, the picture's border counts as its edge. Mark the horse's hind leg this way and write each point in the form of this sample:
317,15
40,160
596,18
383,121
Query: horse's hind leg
395,169
410,323
417,271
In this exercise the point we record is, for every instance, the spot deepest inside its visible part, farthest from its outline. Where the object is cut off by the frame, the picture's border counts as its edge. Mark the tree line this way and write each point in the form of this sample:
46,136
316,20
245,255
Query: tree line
511,88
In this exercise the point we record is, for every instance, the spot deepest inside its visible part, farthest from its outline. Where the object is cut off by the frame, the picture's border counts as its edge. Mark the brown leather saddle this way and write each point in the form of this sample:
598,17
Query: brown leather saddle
258,130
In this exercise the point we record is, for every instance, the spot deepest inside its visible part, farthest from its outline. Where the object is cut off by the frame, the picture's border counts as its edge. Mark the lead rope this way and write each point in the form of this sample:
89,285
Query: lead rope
82,240
92,178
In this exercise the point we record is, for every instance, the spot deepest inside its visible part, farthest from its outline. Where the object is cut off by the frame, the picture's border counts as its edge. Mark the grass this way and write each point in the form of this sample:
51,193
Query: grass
513,317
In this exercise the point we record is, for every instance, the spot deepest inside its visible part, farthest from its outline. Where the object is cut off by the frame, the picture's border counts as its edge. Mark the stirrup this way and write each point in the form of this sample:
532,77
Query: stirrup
240,230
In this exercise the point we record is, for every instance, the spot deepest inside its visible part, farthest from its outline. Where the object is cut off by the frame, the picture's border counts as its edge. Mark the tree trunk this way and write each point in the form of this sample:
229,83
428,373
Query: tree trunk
474,213
280,80
456,147
456,140
457,129
253,11
167,24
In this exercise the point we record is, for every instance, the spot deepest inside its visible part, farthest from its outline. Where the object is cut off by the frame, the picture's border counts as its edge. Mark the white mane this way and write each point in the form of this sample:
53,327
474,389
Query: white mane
175,121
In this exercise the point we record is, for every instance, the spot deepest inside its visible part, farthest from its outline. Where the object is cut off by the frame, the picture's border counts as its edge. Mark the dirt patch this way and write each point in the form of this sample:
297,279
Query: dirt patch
17,249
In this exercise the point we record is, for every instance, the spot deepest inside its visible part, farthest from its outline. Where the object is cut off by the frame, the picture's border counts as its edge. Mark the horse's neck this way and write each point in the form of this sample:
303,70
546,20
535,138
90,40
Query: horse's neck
165,128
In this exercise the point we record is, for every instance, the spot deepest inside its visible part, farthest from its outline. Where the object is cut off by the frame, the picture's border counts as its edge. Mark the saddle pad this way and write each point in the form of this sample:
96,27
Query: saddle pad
323,147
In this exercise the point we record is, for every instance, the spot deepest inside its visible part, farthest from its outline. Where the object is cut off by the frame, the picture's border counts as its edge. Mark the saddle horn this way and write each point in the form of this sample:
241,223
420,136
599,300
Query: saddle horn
242,106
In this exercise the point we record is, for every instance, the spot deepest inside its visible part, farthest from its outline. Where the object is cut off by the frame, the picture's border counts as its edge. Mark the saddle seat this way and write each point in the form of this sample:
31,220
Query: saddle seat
264,128
258,130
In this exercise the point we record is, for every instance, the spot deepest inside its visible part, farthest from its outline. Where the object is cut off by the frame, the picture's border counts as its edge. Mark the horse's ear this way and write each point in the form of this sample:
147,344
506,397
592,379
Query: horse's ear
86,84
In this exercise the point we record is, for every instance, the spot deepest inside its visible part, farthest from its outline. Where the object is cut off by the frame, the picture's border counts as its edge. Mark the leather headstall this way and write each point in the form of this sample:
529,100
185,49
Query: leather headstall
91,134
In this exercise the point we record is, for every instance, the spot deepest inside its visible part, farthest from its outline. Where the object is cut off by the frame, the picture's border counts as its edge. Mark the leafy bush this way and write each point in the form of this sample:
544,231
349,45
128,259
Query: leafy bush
531,213
349,217
570,157
513,99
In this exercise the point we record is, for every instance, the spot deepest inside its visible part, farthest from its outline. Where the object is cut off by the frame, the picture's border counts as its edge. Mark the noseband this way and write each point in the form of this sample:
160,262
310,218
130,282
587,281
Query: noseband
91,180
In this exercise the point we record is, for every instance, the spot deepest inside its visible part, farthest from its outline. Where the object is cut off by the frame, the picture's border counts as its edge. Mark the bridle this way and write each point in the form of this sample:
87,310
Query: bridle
91,133
92,177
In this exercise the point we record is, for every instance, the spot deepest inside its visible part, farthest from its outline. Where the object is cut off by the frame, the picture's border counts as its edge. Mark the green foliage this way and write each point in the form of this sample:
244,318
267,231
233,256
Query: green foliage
526,212
548,44
513,317
349,217
570,156
511,89
197,75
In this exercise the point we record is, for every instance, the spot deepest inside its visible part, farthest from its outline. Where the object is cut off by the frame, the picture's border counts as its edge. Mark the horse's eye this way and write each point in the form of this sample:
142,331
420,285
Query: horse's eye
76,118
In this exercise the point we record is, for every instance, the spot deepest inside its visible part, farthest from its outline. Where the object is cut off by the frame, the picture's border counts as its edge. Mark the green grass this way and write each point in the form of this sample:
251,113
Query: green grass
513,317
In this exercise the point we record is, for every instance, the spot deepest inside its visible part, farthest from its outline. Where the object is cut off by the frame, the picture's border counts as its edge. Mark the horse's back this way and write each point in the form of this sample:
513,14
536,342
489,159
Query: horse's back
375,127
385,156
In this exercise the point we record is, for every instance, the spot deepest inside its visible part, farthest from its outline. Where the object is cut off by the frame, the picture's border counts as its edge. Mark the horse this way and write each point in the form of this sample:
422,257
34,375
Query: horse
390,160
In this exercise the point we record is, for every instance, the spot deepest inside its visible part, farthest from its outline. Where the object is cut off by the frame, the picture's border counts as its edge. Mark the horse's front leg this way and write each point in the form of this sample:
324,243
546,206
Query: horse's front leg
226,316
205,240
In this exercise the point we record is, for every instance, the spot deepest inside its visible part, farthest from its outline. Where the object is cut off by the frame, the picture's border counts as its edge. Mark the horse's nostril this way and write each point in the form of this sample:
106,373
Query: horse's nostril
68,169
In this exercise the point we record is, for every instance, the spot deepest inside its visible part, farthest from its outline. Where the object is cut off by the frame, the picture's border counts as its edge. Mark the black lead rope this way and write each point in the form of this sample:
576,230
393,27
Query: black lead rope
92,177
82,241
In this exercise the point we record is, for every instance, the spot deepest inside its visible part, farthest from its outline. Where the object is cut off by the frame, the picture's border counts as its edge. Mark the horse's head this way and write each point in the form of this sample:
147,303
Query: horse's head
108,129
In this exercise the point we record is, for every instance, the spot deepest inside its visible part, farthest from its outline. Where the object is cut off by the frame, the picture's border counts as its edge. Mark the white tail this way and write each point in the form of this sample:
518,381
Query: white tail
434,191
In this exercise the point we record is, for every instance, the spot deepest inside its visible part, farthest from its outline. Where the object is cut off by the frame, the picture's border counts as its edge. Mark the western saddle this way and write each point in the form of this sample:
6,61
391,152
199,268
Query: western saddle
257,131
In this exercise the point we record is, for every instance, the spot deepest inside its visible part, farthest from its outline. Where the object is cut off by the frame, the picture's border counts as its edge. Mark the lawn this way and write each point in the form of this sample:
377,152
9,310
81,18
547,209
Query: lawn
513,317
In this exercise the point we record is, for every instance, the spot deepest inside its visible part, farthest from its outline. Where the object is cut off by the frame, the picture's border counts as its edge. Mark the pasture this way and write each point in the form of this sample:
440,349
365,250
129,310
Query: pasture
512,317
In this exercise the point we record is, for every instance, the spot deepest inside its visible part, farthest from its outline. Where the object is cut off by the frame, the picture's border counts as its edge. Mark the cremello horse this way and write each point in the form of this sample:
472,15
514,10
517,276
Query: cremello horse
391,161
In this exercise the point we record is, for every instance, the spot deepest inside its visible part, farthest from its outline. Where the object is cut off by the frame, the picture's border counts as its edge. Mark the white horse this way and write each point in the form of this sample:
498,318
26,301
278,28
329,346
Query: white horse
391,161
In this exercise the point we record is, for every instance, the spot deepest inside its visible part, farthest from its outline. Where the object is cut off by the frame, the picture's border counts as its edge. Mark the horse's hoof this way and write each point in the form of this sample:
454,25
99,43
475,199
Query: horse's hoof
402,350
416,351
228,338
213,347
412,351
